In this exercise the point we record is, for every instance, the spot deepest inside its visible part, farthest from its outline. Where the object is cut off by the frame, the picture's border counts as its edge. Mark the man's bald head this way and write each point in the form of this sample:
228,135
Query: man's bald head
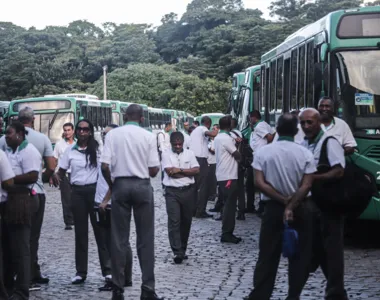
287,125
310,120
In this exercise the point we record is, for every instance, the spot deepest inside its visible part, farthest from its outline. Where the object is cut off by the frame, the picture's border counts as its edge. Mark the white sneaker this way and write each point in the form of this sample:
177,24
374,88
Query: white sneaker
108,278
77,280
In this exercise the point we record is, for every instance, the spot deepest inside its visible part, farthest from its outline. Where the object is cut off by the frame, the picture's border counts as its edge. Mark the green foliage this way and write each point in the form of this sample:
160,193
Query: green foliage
185,63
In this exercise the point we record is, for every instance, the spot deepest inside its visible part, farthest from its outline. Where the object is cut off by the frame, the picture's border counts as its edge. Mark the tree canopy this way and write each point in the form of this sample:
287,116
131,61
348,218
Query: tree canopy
185,63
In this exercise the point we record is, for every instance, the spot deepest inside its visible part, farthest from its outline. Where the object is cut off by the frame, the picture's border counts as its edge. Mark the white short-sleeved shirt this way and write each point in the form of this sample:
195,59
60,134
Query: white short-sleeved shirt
25,159
82,173
185,160
60,149
226,164
42,143
187,142
258,140
284,164
299,137
211,159
130,151
341,131
199,142
335,151
102,188
163,140
6,173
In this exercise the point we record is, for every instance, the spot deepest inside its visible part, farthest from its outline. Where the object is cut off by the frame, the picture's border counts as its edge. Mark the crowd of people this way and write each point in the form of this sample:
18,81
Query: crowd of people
205,162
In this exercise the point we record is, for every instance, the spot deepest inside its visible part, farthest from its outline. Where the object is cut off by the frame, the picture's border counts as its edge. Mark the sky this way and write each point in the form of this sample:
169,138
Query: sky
40,13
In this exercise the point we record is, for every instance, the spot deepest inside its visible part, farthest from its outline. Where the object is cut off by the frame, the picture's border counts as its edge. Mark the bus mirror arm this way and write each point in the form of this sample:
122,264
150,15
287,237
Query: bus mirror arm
51,123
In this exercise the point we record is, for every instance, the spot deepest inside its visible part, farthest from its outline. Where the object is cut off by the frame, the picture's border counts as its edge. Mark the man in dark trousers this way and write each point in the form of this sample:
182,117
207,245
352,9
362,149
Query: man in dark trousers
130,157
227,158
180,166
284,184
199,145
328,249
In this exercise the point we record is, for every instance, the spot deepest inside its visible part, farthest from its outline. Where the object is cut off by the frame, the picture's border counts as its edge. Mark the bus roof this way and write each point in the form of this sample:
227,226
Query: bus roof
76,95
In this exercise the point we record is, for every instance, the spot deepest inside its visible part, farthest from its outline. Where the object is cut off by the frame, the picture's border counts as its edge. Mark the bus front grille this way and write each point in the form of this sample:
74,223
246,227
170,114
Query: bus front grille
374,153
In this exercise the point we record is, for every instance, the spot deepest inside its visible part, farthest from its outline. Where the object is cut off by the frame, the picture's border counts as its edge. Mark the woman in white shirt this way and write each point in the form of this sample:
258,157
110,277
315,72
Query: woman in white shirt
21,203
83,161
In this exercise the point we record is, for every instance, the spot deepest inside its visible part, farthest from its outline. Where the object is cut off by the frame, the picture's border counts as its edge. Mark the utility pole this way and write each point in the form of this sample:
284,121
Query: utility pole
105,83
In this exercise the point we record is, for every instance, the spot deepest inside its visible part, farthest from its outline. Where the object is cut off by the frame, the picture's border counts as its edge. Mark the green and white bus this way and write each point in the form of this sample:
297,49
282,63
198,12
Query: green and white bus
158,118
215,117
237,83
51,112
338,56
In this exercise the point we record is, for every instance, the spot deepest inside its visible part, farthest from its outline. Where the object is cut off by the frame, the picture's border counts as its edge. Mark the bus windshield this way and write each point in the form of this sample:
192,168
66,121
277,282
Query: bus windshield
42,122
360,90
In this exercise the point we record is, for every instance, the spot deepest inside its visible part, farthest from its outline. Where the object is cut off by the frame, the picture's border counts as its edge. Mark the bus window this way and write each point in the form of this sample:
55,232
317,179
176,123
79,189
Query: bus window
286,84
262,92
301,80
310,74
83,112
256,91
294,80
272,85
94,119
279,81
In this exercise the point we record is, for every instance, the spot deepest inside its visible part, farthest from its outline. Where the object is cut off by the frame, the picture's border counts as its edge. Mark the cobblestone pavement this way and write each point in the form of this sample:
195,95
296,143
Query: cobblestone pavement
213,271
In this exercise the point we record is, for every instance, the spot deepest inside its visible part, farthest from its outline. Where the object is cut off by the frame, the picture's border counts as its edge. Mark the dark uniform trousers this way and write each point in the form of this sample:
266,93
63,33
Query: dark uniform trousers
328,251
201,186
82,206
241,192
270,248
211,181
105,241
37,220
229,196
132,193
17,255
250,189
65,189
179,207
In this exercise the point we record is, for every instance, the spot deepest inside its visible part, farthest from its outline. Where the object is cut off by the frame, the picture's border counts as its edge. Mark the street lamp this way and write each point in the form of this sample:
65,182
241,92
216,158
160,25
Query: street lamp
105,82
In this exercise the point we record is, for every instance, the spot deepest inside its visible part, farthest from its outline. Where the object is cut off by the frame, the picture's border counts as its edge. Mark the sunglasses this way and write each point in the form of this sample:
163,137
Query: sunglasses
84,129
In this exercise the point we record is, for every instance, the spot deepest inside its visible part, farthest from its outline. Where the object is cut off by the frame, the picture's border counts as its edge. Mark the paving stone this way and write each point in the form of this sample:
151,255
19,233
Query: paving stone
213,270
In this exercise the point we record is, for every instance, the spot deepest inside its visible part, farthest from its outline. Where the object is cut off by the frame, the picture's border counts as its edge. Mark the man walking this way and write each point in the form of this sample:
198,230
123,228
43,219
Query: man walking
180,166
130,157
328,244
64,185
285,184
199,145
227,158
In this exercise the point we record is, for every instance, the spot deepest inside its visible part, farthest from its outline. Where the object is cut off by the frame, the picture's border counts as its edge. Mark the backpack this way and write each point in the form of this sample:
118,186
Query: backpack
349,195
245,151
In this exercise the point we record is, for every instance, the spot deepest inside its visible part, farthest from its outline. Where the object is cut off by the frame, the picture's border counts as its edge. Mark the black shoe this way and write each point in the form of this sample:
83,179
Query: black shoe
149,295
128,283
178,259
240,217
108,287
78,280
230,239
68,227
41,280
34,287
214,210
203,216
117,294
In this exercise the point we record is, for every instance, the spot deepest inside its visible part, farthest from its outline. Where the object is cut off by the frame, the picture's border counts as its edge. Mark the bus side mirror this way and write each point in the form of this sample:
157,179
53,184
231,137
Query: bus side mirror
324,49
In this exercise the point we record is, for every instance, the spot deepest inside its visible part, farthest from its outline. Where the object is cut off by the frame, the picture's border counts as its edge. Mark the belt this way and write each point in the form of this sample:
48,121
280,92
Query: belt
180,188
84,185
131,177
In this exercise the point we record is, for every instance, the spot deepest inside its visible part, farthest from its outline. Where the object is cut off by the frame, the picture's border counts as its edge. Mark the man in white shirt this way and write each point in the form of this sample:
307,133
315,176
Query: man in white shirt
227,158
64,185
262,134
199,145
300,136
336,127
211,160
130,158
329,227
186,135
180,166
163,138
283,173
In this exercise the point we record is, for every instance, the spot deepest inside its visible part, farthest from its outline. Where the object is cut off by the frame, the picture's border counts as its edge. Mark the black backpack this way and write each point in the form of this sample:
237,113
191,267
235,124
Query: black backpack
349,195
